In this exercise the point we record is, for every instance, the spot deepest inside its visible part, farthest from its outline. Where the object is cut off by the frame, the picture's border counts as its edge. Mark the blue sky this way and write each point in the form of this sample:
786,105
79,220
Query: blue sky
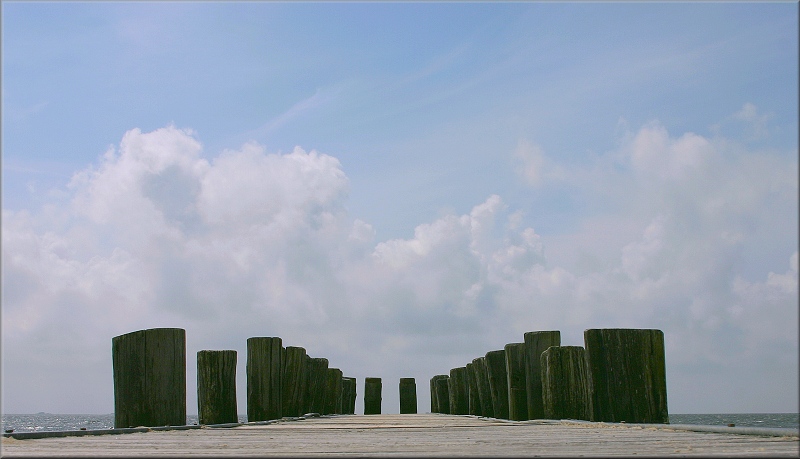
400,177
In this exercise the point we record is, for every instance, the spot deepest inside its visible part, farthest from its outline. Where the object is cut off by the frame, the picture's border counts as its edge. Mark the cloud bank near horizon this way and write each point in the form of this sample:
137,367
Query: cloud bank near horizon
252,243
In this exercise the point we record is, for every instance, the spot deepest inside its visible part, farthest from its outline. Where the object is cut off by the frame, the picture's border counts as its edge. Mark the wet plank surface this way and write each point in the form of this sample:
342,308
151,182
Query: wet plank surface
411,435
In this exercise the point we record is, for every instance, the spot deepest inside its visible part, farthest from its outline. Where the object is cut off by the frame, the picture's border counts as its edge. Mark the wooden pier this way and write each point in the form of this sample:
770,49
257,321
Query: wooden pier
416,435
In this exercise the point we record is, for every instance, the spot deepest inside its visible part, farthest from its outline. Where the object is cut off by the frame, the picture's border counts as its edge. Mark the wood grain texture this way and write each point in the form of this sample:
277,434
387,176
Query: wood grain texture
484,392
565,383
627,374
293,385
316,384
475,408
264,378
333,392
516,381
498,382
149,368
443,394
435,404
348,395
372,395
216,387
458,391
412,435
537,342
408,396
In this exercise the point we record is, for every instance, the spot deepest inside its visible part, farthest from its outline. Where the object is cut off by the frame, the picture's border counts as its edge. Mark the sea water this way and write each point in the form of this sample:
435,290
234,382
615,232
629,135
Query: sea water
772,420
41,422
58,422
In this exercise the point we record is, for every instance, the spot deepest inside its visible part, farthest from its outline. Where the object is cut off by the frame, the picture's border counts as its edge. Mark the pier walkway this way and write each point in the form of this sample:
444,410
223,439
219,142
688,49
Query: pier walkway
414,435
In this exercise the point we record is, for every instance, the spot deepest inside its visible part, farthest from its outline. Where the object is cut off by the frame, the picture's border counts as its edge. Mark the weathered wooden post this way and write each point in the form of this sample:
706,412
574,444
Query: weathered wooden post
216,387
627,375
295,373
264,377
435,406
484,392
149,378
372,395
474,398
459,398
316,384
339,392
565,383
333,391
535,343
408,396
515,372
498,382
443,394
348,395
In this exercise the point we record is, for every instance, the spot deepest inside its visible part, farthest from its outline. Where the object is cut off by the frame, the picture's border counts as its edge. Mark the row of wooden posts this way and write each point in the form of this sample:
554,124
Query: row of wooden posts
150,382
619,376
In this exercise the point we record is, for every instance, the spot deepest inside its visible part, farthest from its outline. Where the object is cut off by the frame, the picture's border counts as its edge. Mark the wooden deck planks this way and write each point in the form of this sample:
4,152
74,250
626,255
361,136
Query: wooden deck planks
411,435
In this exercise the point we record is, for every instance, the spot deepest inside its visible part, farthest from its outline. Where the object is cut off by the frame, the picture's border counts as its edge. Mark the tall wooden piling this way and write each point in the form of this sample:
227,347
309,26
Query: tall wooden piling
459,397
484,392
348,395
333,392
515,373
149,369
535,343
498,382
216,387
474,398
565,383
295,373
372,395
627,375
264,378
408,396
316,384
443,394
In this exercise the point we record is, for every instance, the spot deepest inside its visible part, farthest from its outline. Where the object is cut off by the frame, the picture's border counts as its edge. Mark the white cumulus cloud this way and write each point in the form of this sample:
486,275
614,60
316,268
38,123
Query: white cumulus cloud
251,243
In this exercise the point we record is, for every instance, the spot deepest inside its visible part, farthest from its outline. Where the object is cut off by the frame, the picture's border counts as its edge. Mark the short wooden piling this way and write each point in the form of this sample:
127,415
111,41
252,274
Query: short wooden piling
443,394
316,384
348,395
295,373
149,369
515,372
333,391
537,342
372,395
474,398
627,375
216,387
484,392
264,378
459,397
408,396
565,383
432,384
435,406
498,382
